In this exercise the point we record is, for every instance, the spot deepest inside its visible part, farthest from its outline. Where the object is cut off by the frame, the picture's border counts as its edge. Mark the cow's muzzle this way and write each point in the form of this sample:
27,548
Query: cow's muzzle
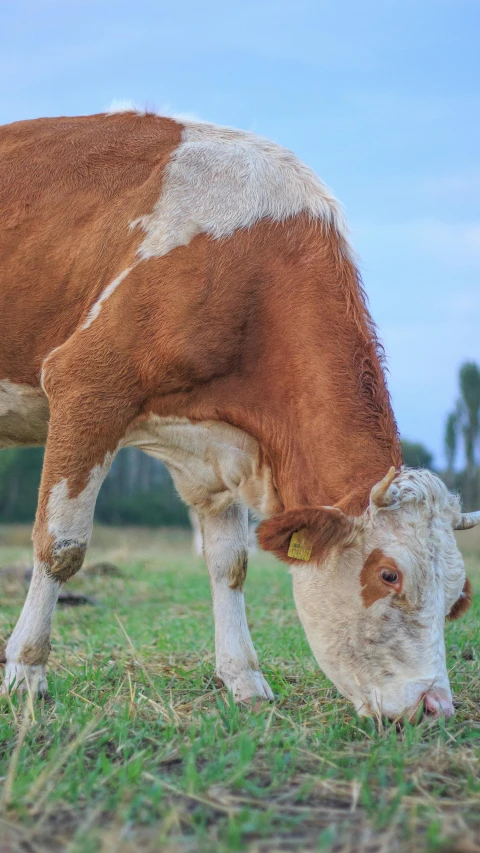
438,703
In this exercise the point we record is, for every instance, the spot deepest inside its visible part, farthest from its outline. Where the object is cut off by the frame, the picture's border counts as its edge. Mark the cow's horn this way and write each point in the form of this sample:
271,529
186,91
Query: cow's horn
379,494
467,520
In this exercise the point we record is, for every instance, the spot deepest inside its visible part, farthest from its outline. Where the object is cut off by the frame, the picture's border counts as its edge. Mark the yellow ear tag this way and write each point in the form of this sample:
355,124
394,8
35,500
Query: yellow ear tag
299,548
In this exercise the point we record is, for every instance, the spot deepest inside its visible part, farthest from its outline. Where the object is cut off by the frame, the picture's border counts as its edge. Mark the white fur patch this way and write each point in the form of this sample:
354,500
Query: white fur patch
226,538
427,512
72,518
110,288
212,463
219,180
24,414
32,631
387,656
197,538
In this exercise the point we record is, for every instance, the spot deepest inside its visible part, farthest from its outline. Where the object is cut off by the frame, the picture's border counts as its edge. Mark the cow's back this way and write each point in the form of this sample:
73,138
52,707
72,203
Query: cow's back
69,189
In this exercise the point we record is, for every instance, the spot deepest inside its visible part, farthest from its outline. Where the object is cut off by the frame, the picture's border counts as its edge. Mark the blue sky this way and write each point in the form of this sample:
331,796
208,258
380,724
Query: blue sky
380,97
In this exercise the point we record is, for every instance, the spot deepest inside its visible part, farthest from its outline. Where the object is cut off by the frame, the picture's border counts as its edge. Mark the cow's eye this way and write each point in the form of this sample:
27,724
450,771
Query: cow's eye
389,576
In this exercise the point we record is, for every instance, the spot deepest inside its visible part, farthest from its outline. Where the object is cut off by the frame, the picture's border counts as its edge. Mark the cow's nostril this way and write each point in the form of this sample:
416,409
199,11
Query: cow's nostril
430,710
438,704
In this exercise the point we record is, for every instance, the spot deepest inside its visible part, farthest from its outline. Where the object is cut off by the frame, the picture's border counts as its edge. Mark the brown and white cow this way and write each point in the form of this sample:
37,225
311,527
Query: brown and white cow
189,290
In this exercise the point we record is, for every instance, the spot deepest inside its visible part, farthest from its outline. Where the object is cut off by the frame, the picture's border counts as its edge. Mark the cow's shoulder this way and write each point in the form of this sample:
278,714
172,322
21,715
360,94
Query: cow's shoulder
219,180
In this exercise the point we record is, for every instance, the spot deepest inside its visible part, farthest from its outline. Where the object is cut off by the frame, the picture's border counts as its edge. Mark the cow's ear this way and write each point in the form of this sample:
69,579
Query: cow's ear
306,534
463,603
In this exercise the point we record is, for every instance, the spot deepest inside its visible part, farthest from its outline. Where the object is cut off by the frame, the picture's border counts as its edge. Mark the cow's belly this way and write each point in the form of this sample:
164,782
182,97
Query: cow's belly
212,463
24,414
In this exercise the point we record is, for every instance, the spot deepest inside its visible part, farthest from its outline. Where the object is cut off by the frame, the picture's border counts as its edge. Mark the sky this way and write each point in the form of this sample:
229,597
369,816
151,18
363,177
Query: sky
380,97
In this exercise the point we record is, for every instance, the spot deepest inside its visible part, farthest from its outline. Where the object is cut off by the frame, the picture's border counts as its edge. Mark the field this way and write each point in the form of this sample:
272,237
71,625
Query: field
138,748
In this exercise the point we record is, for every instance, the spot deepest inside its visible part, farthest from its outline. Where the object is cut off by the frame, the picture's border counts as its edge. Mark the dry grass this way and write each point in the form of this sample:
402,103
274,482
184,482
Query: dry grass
139,748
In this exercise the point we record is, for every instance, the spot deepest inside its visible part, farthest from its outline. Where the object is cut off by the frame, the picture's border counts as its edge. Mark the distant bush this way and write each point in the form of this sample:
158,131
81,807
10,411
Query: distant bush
152,509
20,472
416,455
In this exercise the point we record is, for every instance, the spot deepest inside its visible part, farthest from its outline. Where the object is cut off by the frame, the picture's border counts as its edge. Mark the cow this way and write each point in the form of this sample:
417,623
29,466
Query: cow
190,290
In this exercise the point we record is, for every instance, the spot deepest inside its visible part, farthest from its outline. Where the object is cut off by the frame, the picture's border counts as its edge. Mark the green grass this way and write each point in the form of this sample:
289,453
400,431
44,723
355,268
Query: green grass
140,749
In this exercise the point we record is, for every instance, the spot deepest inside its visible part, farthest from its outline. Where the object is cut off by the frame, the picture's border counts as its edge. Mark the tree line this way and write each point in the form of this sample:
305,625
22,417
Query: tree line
139,489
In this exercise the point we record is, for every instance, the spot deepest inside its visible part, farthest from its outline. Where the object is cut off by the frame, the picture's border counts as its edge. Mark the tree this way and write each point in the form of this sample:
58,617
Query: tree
464,423
416,455
470,390
20,471
451,445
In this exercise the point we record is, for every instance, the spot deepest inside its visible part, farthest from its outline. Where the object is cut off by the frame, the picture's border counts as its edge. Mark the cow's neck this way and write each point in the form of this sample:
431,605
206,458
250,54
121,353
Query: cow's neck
320,452
306,378
329,431
339,467
336,437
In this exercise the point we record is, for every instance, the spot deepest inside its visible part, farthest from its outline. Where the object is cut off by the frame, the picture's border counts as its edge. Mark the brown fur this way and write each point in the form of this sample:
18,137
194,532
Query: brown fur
267,330
324,528
238,572
67,561
68,189
463,603
275,353
372,584
35,655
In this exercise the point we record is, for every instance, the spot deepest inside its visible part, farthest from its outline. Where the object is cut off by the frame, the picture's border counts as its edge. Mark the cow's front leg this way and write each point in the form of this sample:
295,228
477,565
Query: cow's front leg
80,447
225,544
61,535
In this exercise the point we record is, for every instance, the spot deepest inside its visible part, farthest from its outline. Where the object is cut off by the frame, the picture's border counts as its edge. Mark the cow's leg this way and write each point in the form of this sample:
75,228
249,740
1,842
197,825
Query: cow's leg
61,535
80,447
225,544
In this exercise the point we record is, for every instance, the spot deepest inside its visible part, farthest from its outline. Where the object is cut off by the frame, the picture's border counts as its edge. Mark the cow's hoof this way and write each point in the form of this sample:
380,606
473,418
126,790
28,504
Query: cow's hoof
23,678
248,687
255,704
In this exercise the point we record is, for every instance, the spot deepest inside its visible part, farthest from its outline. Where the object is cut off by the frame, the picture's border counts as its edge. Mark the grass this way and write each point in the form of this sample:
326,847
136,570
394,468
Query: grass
139,747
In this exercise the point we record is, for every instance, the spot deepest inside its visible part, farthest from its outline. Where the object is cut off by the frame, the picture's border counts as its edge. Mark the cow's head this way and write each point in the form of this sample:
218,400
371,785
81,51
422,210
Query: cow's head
373,591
